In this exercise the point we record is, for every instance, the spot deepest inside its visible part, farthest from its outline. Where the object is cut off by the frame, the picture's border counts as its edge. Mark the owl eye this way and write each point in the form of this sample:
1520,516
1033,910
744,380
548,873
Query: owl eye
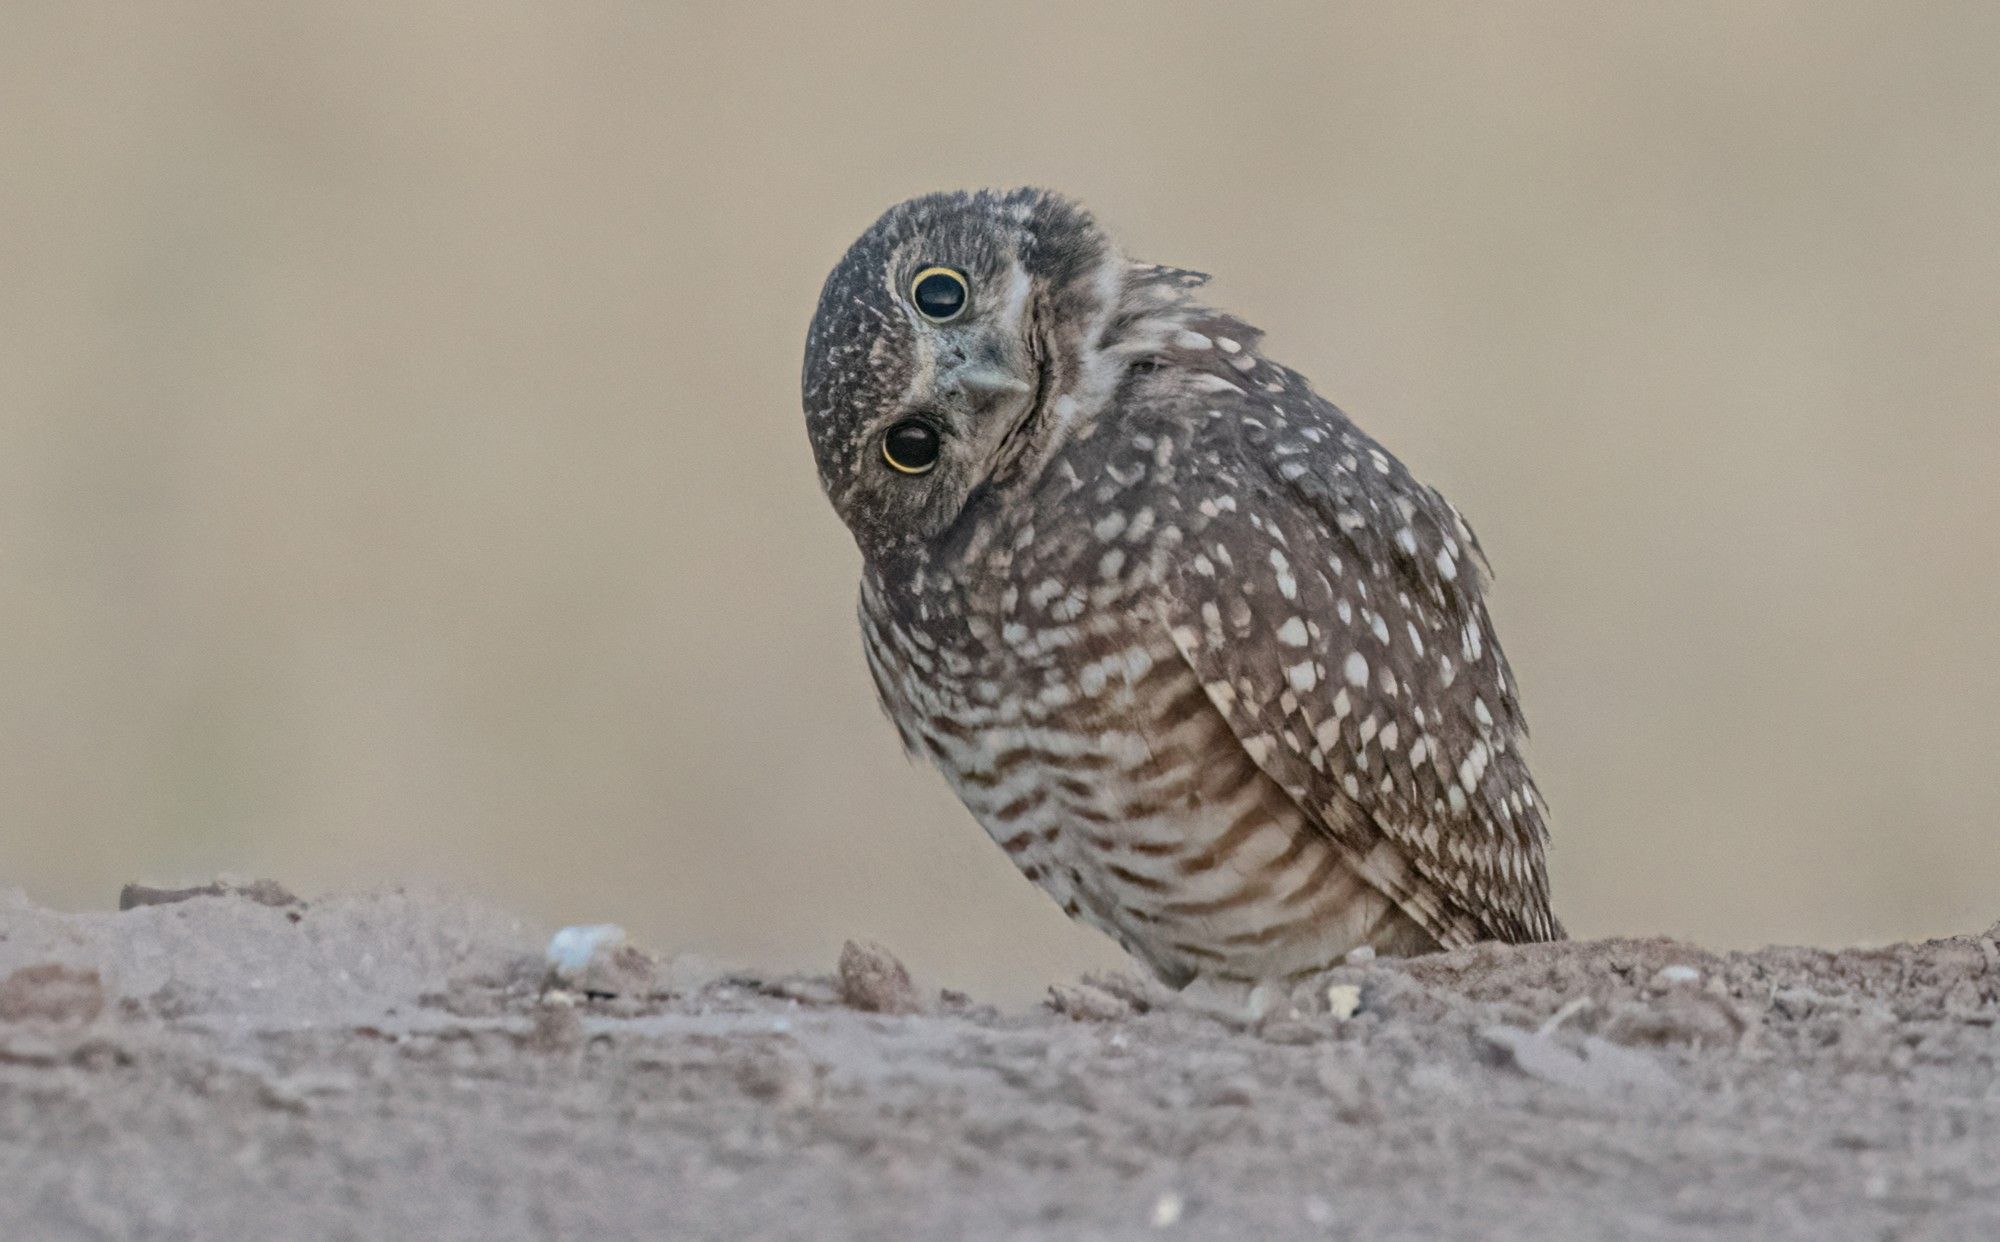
911,446
939,294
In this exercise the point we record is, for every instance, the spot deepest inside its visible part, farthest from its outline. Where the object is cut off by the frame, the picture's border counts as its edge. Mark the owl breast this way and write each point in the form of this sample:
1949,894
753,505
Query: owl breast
1114,784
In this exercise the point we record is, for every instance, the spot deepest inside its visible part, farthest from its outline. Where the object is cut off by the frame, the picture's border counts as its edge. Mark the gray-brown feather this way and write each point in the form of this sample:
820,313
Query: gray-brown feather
1355,657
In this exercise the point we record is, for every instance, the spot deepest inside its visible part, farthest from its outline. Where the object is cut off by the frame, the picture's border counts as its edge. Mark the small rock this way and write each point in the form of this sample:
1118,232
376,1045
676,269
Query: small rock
595,960
872,980
1361,955
1086,1002
572,948
1168,1209
263,892
1675,976
781,1075
51,992
627,970
1343,1000
1598,1066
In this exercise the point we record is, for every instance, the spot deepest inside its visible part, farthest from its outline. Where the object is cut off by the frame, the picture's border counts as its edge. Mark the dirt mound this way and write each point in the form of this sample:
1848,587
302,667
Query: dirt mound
233,1062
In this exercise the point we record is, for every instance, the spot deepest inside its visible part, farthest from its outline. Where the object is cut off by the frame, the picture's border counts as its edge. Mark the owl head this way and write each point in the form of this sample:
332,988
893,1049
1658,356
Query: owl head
950,344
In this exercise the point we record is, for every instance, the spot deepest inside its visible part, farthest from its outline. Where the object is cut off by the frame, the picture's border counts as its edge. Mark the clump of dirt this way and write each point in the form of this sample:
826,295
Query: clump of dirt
51,992
871,979
263,892
400,1065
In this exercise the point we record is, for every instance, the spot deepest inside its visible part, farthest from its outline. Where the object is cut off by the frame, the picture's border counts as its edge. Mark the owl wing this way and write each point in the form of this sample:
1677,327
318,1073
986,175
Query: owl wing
1332,607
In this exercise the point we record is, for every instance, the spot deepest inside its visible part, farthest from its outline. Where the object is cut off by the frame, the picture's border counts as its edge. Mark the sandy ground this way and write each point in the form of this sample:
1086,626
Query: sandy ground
241,1065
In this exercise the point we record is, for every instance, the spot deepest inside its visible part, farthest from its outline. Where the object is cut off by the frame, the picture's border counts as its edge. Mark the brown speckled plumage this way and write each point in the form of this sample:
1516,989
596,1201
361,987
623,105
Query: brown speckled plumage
1205,660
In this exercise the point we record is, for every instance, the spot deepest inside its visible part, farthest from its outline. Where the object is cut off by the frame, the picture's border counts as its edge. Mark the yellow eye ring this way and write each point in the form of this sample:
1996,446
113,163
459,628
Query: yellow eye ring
911,447
940,294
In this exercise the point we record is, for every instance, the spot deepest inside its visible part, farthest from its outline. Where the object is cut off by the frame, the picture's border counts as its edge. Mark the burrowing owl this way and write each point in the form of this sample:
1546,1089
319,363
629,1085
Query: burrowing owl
1210,665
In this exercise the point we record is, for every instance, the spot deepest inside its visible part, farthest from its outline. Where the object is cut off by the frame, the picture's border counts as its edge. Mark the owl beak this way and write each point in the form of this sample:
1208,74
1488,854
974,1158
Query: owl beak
984,382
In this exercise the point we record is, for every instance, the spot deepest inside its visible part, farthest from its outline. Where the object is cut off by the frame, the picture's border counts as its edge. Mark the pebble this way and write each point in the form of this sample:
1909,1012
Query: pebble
572,949
1676,976
594,959
51,992
872,980
1343,1000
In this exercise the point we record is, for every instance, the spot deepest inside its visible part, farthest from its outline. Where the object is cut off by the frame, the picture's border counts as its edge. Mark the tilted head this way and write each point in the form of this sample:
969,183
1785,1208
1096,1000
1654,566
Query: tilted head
953,343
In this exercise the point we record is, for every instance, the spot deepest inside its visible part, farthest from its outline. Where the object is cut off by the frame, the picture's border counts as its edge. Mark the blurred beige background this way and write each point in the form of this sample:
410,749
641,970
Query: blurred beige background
401,473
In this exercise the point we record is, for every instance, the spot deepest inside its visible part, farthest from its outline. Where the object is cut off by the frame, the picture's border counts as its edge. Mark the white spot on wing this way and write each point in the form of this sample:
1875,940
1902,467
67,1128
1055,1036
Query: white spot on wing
1328,735
1356,669
1288,586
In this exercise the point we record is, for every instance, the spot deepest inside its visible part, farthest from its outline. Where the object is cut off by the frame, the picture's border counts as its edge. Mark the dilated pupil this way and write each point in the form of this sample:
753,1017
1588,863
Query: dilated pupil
940,296
911,445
